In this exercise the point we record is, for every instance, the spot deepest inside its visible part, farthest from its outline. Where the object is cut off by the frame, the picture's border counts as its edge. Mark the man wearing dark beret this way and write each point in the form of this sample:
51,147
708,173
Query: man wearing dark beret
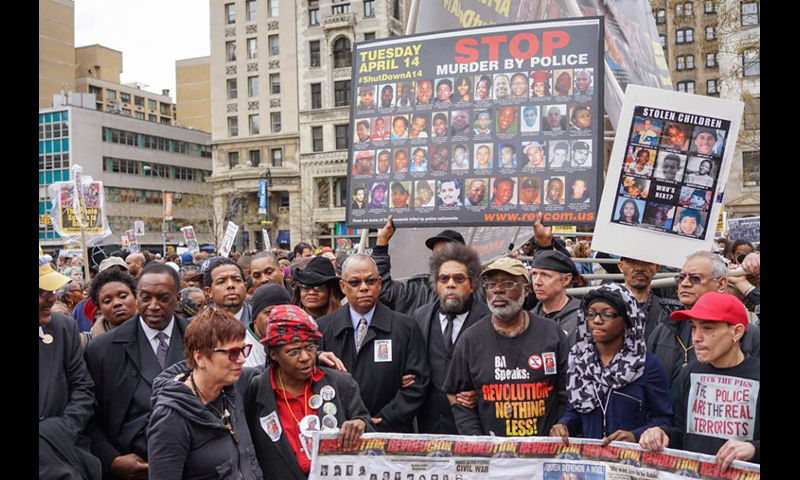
552,274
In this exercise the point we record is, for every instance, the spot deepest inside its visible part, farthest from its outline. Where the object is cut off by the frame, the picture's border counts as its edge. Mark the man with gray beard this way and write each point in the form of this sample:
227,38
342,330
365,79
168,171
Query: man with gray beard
455,274
516,361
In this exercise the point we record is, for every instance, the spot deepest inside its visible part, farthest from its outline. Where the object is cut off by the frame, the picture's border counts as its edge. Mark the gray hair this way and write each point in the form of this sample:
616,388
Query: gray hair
65,291
718,266
356,257
188,291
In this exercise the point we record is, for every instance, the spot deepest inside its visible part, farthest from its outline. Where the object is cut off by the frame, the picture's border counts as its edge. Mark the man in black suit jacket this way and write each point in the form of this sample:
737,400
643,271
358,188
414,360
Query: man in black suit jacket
378,347
455,274
65,388
124,363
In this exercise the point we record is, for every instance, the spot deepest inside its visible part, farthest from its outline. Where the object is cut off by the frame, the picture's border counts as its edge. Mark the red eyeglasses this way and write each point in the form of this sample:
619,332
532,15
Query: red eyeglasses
233,353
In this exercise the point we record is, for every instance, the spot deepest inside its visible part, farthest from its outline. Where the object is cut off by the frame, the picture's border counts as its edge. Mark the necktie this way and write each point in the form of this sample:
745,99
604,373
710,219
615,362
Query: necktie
361,334
448,332
161,352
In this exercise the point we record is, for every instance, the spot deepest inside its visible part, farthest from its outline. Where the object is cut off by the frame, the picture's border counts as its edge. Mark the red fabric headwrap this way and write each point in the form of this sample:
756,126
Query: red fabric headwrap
289,324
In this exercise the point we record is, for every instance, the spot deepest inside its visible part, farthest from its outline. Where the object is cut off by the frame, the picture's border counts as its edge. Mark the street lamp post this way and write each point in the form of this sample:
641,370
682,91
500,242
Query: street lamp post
163,213
266,222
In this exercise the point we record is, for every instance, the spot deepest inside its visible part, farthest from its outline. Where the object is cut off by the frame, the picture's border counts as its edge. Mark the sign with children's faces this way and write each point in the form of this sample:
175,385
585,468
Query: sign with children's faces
488,126
667,175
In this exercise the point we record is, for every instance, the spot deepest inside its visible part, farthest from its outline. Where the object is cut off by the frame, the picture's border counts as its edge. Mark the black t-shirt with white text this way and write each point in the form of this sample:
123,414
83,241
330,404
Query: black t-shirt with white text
518,379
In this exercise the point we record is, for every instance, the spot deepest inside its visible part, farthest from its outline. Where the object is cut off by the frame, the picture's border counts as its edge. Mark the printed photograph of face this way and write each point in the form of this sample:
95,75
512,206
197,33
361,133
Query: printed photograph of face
482,122
483,88
459,123
400,163
555,190
676,136
669,166
646,131
708,141
559,154
439,158
581,154
540,84
534,155
701,171
379,197
387,96
530,191
659,216
634,187
696,198
420,124
640,161
405,94
460,157
384,162
364,163
476,194
423,194
502,86
419,159
507,119
424,92
362,131
444,90
440,125
366,98
579,190
629,211
399,127
519,85
580,118
449,193
360,196
507,156
401,194
584,83
563,83
530,118
504,191
556,119
483,156
380,129
690,222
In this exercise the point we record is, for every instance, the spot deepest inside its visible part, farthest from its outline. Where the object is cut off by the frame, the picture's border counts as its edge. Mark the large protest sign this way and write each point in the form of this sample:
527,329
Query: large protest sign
747,229
633,53
487,126
227,241
76,204
426,457
667,175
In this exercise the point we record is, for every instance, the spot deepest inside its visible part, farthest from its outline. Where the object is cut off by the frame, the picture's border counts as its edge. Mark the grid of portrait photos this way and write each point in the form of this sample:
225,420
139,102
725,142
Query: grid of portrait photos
521,141
670,173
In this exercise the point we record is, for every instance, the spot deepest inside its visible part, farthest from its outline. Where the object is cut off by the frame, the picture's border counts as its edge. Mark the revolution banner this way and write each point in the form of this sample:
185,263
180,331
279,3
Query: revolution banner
426,457
667,175
488,126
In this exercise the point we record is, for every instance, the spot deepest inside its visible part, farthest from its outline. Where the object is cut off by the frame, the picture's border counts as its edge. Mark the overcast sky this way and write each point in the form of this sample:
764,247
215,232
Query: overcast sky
151,34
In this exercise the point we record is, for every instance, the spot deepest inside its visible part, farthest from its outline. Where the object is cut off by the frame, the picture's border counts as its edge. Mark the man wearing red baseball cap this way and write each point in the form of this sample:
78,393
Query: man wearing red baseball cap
717,398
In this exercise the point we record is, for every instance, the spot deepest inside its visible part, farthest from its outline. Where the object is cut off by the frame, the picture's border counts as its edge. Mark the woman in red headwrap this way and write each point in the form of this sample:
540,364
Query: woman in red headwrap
294,398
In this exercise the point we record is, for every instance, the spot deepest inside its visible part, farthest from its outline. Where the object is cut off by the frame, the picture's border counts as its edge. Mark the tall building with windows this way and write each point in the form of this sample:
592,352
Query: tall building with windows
713,48
326,32
193,93
56,49
136,160
254,111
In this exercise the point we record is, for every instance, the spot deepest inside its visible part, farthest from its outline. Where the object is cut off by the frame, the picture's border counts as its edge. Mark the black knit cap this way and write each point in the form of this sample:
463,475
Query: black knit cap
269,295
612,298
445,236
554,261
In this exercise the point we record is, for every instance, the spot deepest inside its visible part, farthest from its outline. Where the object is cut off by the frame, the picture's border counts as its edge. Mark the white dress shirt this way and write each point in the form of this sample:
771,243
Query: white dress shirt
151,333
458,322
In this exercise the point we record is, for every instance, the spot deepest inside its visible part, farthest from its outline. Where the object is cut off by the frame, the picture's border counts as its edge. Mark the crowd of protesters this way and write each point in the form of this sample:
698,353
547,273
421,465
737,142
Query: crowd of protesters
198,366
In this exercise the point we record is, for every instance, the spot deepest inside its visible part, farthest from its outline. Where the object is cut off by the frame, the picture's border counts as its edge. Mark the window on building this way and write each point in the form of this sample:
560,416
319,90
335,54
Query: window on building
711,33
233,126
188,174
273,8
751,62
342,53
97,92
661,16
125,97
152,118
711,60
340,192
151,104
277,157
687,86
111,95
126,111
252,10
663,40
316,57
233,159
316,96
342,138
687,9
752,113
313,13
255,158
342,93
252,48
275,120
316,139
252,86
369,8
369,36
323,192
710,6
750,14
138,101
396,9
679,10
685,35
751,169
232,89
230,13
164,108
690,62
275,83
274,45
230,50
711,87
285,199
139,115
255,125
341,8
680,63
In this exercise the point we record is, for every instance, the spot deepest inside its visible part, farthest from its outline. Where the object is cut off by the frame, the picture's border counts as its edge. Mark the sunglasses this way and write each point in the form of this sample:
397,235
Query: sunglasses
316,288
356,282
233,353
693,279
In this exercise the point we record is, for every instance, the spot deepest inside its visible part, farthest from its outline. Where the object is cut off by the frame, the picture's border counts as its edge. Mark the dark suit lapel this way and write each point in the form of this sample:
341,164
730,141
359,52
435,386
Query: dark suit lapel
381,320
47,367
266,398
149,367
175,351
